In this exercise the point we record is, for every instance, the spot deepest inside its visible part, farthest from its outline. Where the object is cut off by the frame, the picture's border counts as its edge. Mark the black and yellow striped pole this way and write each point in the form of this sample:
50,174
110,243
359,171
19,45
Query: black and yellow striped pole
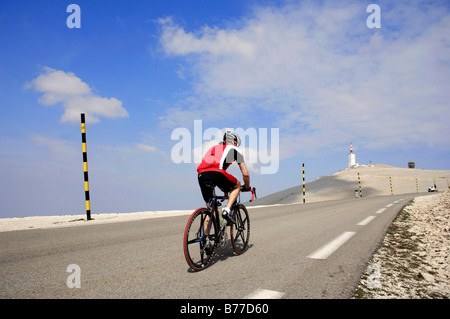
85,167
359,182
417,186
390,182
304,198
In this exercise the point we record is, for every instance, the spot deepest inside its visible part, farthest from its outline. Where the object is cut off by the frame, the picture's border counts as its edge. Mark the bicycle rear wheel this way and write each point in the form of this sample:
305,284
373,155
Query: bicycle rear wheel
197,254
240,232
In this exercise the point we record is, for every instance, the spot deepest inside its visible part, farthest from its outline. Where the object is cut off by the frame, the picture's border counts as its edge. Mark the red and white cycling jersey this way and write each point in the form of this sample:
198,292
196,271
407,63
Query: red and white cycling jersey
219,158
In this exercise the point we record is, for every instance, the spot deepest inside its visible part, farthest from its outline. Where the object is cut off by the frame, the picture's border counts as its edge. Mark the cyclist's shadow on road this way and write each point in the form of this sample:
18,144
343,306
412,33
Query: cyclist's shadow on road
223,253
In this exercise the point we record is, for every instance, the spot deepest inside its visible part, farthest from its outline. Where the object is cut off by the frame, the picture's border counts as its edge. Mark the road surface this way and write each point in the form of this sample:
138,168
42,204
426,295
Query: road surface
312,250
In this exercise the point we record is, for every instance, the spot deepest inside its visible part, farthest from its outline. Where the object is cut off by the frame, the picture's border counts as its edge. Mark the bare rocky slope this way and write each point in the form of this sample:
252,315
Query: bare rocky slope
374,180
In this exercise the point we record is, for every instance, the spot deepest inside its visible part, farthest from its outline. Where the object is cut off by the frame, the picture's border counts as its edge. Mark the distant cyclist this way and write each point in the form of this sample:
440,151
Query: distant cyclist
212,171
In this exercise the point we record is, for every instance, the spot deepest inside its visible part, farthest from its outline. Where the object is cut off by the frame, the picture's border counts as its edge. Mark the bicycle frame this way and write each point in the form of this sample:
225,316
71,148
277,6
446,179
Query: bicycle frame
213,208
206,236
213,205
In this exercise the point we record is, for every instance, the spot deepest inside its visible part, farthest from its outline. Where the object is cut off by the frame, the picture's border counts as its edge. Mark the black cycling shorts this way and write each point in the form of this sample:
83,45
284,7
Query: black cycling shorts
210,179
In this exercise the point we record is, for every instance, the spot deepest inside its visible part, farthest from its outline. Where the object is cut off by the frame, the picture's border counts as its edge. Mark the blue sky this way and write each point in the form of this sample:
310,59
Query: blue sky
313,70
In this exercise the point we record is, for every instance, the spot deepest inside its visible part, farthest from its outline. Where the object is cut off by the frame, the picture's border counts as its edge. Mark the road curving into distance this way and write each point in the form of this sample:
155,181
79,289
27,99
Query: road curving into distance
312,250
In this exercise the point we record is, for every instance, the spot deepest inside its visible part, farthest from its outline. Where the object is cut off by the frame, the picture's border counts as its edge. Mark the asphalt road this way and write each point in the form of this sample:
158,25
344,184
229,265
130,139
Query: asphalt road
312,250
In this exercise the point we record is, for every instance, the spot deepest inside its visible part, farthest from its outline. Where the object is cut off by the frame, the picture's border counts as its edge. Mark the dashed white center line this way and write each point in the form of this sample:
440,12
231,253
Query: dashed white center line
325,251
365,221
265,294
332,246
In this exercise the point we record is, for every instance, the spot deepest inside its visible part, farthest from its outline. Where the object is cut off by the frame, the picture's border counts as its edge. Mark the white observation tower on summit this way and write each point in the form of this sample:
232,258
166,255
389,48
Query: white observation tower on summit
351,157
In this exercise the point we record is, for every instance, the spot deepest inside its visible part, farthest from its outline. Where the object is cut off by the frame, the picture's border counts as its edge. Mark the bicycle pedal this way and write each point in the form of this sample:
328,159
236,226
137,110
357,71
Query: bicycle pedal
208,248
229,219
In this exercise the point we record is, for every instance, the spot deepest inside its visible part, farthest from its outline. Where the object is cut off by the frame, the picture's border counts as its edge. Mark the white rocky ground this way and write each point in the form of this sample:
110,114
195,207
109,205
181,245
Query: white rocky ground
40,222
413,261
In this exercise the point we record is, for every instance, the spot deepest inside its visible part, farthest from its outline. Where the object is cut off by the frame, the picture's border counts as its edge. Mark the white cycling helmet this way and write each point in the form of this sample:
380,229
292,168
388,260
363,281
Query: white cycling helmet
230,137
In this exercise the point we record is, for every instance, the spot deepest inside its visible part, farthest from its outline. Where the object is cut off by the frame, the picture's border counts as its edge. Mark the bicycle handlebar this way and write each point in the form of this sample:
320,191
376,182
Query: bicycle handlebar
253,190
253,194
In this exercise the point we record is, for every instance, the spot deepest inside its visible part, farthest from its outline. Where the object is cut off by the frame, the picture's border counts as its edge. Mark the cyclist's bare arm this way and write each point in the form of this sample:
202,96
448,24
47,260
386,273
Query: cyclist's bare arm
245,175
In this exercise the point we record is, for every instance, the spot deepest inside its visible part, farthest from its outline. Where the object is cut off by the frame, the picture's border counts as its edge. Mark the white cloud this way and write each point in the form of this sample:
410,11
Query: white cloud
319,74
151,150
213,40
60,154
55,146
75,96
146,148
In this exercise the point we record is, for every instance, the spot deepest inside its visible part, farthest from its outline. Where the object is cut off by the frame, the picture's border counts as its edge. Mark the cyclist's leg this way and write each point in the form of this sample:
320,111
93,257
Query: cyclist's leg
207,183
234,193
206,225
230,183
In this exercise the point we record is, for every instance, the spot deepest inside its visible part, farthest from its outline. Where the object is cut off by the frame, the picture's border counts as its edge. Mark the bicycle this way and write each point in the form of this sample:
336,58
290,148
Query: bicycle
206,230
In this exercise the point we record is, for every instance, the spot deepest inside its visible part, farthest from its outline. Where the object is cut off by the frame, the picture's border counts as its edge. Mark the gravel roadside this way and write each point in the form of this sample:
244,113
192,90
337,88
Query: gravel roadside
413,260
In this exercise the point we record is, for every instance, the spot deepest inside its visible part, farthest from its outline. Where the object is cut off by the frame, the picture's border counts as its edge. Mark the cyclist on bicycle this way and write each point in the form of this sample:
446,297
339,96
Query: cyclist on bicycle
212,171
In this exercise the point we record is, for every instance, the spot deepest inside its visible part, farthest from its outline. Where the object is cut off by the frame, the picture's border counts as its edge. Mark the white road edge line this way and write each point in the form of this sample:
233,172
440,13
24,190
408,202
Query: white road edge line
365,221
380,211
332,246
265,294
389,205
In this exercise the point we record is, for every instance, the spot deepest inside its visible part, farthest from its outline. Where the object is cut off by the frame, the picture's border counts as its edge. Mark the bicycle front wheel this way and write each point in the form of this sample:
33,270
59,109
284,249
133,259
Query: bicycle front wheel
240,232
200,240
